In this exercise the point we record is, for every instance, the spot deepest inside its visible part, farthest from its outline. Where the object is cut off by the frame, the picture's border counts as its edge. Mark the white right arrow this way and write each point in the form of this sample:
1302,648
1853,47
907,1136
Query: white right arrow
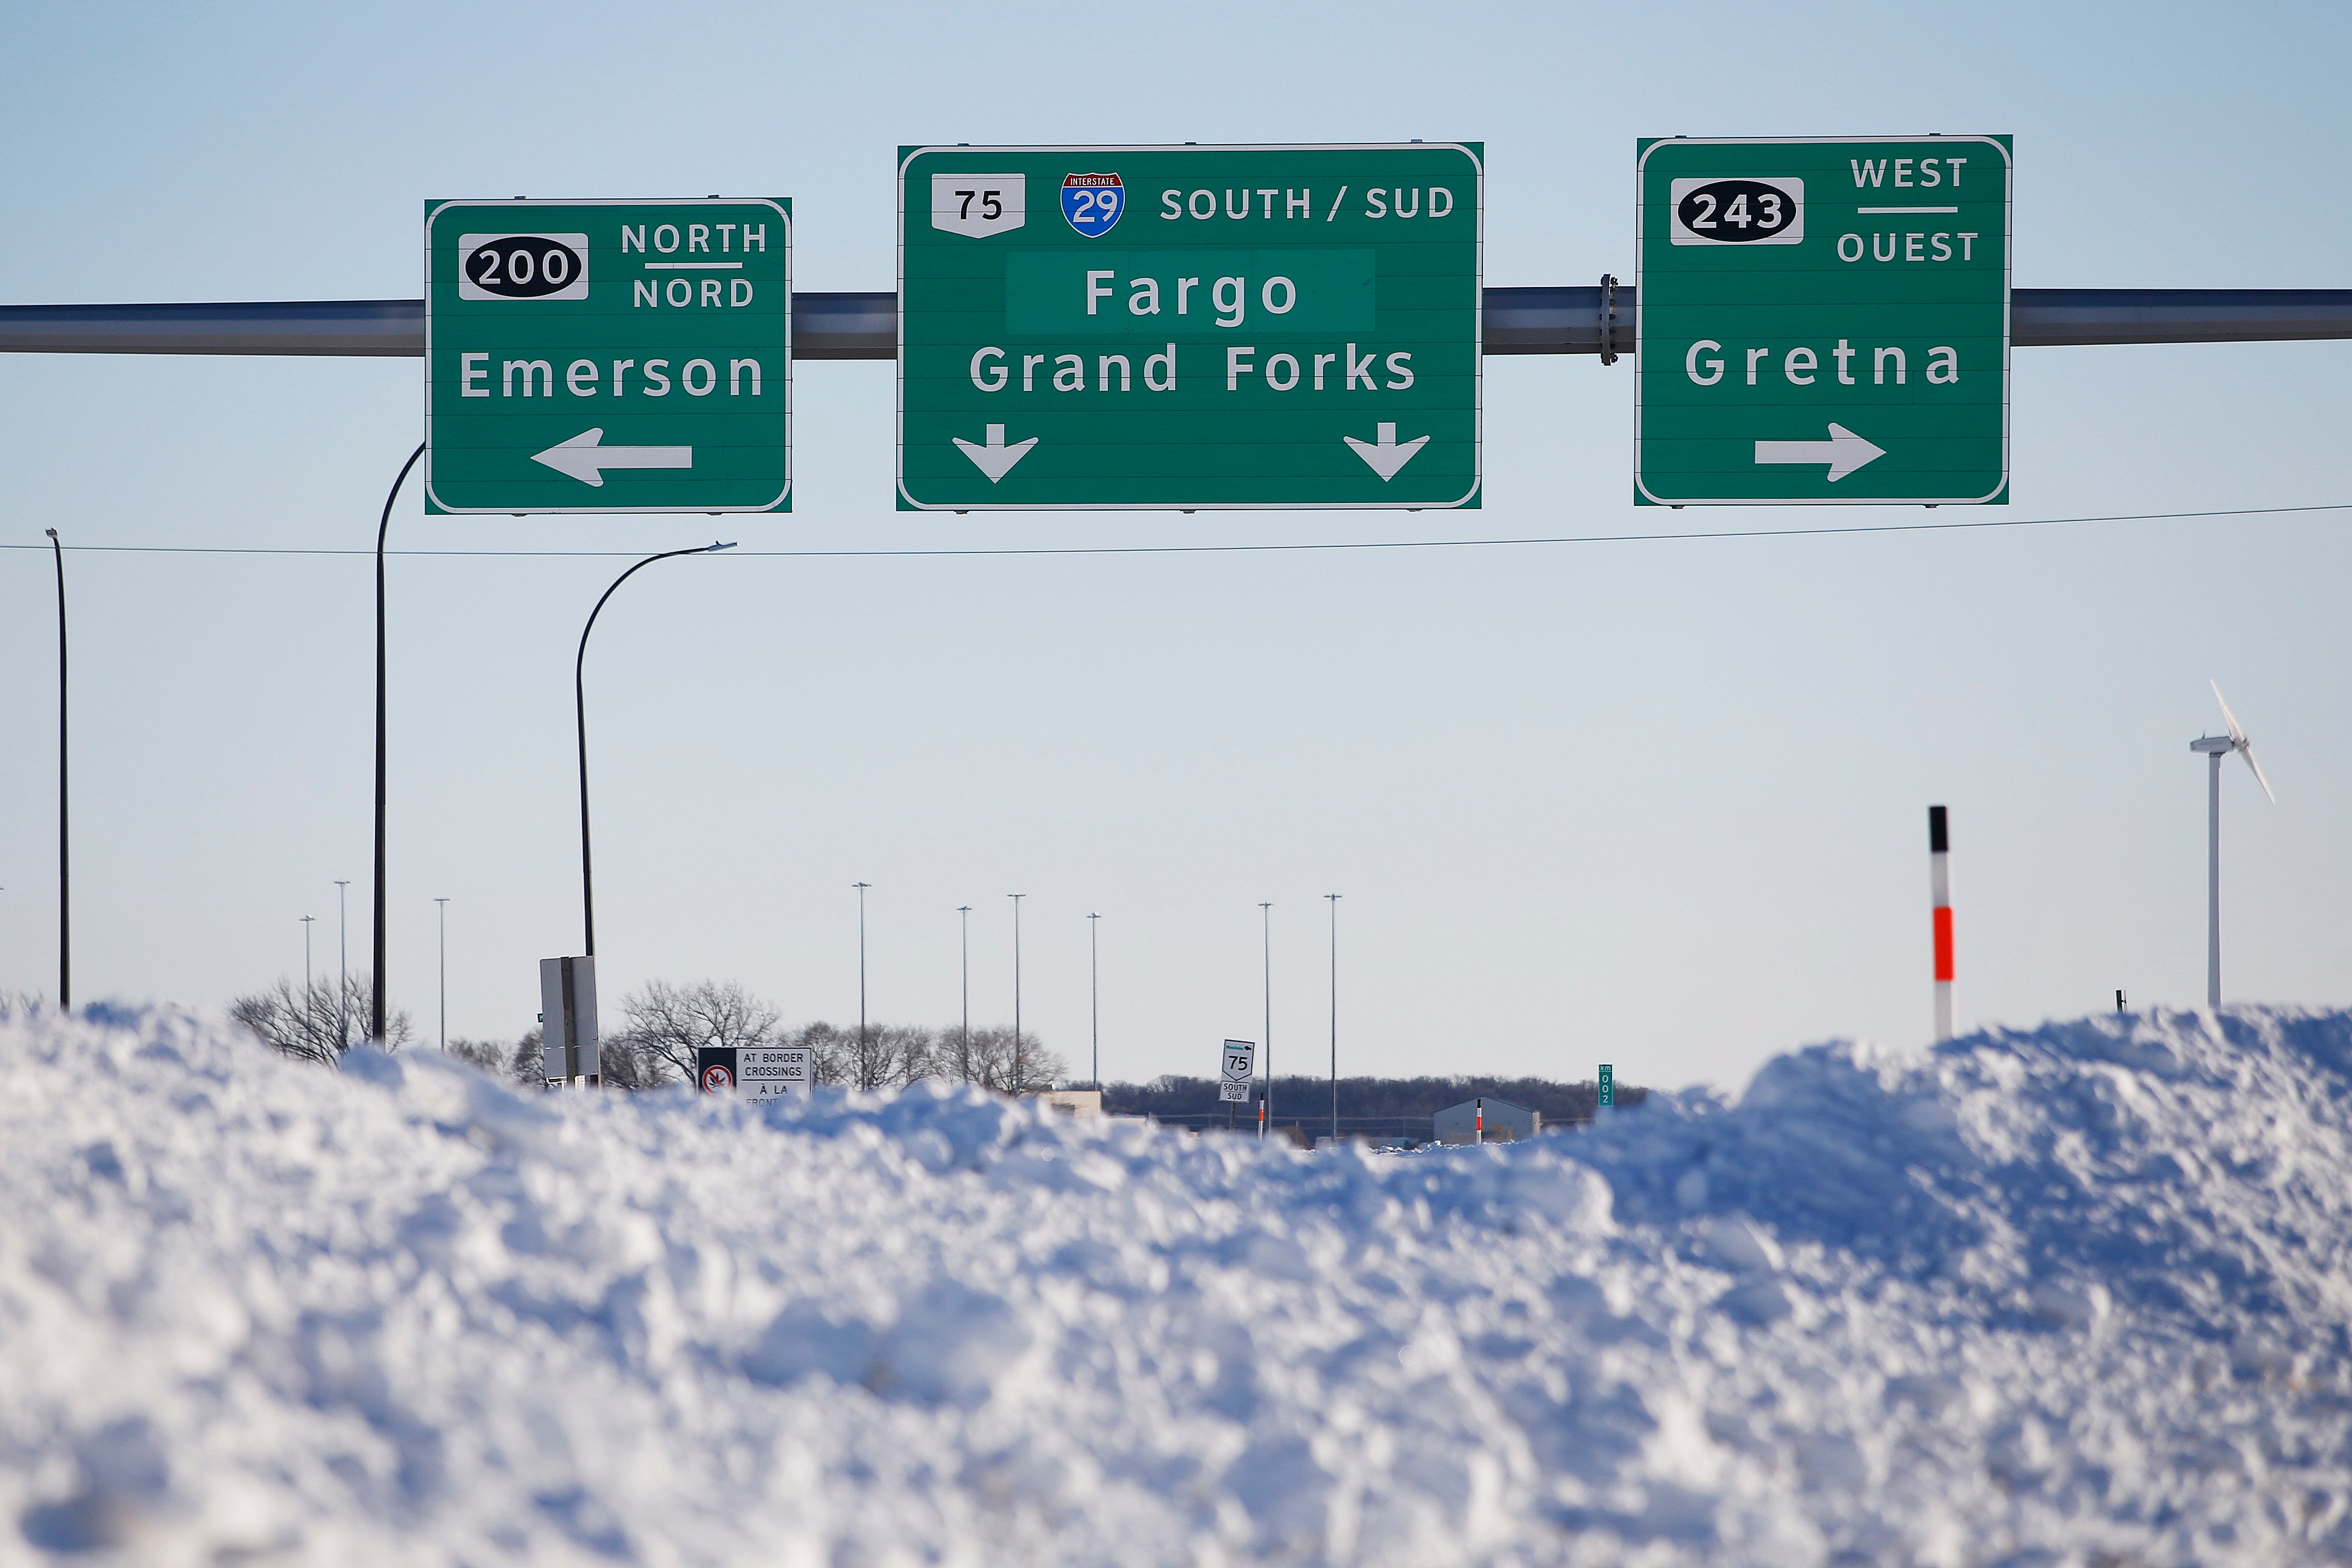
1845,452
996,459
1384,455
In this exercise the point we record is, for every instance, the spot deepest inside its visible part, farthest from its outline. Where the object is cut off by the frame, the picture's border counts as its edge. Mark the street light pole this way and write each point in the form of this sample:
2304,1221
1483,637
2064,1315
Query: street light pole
579,711
863,1061
384,526
65,860
1335,1015
964,1061
1266,914
1020,1073
1094,989
445,972
310,992
344,952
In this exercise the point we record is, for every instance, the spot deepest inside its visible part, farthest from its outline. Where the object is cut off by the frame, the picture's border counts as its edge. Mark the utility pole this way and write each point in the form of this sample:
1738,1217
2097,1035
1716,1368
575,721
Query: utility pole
1094,988
445,972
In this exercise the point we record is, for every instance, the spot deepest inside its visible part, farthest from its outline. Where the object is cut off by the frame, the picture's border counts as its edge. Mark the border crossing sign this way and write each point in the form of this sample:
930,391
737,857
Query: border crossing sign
608,356
1189,328
1823,320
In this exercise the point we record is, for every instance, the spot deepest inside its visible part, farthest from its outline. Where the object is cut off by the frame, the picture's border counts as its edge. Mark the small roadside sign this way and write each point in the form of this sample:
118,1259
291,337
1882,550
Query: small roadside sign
1608,1084
714,1070
1235,1070
765,1073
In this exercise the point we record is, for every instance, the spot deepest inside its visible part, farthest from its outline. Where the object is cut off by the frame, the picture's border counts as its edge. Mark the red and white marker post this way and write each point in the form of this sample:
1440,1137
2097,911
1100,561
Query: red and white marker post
1939,876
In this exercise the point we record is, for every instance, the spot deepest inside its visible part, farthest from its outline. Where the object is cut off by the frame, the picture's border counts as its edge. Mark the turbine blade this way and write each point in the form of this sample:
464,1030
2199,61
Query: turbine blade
2247,751
2228,718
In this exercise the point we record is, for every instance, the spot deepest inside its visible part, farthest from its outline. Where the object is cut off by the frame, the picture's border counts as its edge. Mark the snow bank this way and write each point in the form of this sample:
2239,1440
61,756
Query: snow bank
2075,1295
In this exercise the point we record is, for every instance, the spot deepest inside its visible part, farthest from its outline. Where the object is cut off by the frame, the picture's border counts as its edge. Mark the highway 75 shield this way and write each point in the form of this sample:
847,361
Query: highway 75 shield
608,356
1824,321
1117,328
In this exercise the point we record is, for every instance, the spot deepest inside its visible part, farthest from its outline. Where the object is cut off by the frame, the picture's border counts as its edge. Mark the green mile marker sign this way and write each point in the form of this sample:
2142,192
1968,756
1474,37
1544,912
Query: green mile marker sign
1105,328
608,356
1824,321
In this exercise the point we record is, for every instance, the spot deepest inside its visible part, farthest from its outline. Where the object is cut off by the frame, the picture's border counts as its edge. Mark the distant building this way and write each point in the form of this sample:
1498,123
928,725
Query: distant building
1506,1122
1072,1101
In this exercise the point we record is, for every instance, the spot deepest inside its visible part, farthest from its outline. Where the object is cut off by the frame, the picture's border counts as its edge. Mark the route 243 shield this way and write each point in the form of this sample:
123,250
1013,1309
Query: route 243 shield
1092,203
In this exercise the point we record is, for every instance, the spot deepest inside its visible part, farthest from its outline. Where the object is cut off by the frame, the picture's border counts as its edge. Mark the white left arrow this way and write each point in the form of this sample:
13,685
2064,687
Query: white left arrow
1845,452
586,462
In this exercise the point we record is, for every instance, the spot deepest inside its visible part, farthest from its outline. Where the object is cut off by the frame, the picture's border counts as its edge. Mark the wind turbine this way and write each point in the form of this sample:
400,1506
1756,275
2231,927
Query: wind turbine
2215,747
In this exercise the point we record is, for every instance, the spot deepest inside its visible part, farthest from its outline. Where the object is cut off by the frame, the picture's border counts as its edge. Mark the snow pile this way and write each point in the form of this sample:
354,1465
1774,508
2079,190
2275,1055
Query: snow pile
2070,1296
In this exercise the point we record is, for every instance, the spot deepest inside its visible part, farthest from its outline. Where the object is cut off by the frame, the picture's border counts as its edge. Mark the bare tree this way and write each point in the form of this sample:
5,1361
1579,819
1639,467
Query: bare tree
993,1063
662,1026
307,1025
520,1061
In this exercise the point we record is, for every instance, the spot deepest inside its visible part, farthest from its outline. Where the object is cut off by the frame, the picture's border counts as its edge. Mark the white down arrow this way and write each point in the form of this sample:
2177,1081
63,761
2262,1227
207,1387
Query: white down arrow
996,459
1385,456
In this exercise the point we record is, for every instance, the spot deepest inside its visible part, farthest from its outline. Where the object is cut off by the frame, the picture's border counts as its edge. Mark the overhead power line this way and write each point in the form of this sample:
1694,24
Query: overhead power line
1293,545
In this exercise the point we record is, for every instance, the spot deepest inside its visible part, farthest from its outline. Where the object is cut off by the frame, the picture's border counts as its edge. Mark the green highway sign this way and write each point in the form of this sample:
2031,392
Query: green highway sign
1109,327
1823,320
608,356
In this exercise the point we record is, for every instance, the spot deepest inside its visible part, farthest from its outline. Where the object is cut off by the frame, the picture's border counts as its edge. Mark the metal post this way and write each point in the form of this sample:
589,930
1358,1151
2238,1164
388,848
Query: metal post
863,1059
2213,882
1094,989
1939,893
445,971
1265,916
65,841
1020,1073
580,713
964,1061
1334,897
376,983
343,960
310,992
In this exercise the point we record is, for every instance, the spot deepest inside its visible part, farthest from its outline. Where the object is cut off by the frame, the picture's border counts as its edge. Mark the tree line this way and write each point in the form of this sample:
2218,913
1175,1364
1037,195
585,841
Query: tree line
1366,1104
661,1027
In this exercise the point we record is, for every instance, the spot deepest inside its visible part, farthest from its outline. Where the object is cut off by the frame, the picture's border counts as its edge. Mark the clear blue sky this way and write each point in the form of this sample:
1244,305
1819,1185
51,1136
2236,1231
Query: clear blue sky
1660,804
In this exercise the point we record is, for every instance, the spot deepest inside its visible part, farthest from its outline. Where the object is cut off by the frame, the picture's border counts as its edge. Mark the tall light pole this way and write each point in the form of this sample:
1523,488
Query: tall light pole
579,711
309,993
65,858
1094,990
964,1061
445,971
1266,914
344,952
1020,1075
862,1057
1335,1015
383,527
